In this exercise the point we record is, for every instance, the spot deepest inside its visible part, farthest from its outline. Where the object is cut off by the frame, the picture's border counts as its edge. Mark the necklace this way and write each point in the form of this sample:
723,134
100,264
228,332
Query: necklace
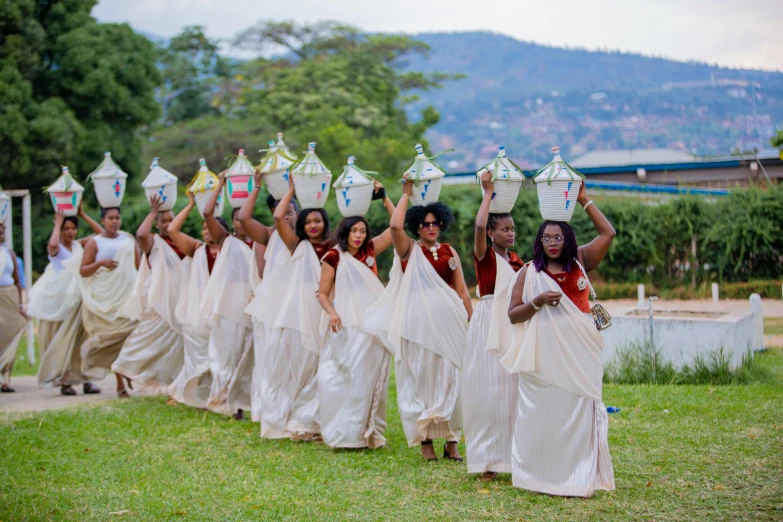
433,250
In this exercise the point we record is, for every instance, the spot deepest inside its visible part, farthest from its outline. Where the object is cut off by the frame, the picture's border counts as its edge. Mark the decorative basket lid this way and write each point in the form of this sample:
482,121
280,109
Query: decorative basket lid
353,175
283,147
65,183
310,164
503,168
108,169
158,176
241,166
557,170
424,167
204,179
277,157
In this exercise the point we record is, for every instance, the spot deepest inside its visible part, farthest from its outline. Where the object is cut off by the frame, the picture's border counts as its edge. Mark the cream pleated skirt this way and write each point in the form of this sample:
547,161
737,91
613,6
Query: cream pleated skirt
192,384
353,381
489,399
560,442
228,343
103,344
12,325
288,389
60,344
428,388
152,355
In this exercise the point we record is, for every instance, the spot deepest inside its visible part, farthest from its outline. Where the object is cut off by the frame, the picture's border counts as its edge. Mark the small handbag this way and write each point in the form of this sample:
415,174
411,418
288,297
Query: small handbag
600,316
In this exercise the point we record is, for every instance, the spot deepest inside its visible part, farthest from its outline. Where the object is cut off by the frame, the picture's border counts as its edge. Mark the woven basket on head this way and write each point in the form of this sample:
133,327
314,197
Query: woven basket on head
202,186
507,179
557,184
65,193
162,183
239,180
354,189
311,179
110,182
275,167
427,177
5,205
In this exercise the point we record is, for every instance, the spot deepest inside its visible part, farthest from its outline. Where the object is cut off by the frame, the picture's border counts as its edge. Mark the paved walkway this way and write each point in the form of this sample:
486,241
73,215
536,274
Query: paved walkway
29,397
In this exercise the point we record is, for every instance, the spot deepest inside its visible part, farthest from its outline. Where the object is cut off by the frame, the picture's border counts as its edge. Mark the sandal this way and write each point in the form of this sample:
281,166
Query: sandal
123,394
446,453
90,388
128,381
430,459
239,415
488,476
67,389
7,389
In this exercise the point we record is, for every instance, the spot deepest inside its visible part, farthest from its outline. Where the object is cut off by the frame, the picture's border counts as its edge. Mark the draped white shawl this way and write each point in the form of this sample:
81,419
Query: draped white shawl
500,330
559,344
356,289
300,309
106,292
417,305
228,291
197,284
271,291
55,294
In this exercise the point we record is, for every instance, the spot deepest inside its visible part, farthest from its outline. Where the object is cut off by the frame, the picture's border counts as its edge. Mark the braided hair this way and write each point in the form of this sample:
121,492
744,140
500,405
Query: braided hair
570,246
492,222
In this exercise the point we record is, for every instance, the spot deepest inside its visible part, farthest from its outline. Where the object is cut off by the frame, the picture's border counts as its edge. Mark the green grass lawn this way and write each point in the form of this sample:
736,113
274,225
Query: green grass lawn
679,453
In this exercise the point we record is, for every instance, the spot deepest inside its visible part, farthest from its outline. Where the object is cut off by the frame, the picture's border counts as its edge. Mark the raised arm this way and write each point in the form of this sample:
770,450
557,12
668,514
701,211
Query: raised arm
144,233
89,264
54,240
383,240
460,286
255,230
324,291
402,243
138,254
186,244
96,227
480,232
286,234
594,252
216,230
519,311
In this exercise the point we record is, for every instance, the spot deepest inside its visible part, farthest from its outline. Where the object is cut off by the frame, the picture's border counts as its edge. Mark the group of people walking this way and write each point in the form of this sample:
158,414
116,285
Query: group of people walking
291,323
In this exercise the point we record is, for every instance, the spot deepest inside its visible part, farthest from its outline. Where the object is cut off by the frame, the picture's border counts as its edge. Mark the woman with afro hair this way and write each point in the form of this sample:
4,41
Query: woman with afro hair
560,444
423,316
489,392
290,396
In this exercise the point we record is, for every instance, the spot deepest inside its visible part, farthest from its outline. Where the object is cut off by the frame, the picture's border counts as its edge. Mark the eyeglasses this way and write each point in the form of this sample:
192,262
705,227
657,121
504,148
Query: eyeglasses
430,224
549,240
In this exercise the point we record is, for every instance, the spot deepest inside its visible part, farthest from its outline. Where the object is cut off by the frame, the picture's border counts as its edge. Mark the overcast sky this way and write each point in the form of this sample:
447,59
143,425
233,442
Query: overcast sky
735,33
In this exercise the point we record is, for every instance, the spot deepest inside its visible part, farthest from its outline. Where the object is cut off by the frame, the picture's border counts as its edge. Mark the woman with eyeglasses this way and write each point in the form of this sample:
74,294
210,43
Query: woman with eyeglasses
489,392
353,370
430,307
290,390
560,444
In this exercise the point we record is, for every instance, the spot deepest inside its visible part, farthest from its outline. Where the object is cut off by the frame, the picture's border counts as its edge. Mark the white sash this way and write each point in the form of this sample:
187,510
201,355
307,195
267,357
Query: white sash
165,281
499,336
423,310
181,310
228,291
356,289
255,277
268,295
137,303
559,344
300,309
106,292
197,284
55,294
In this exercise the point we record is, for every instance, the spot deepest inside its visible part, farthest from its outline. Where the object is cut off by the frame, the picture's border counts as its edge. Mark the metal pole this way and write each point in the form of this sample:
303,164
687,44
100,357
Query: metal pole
27,255
652,342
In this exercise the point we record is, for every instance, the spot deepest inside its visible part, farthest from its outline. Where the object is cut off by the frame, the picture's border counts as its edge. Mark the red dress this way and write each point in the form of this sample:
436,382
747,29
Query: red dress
322,249
441,266
332,258
487,269
174,247
569,284
249,242
210,258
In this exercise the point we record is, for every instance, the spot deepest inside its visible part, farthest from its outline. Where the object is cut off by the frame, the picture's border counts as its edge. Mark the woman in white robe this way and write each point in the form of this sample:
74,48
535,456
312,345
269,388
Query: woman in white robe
289,389
56,301
223,309
268,293
423,314
13,319
489,392
560,444
353,369
152,355
109,267
194,381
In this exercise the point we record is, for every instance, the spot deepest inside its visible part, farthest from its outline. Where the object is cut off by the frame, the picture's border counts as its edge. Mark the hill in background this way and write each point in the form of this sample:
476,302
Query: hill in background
529,97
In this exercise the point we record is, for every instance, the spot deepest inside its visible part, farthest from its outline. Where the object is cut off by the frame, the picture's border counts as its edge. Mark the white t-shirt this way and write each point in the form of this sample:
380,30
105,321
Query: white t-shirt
57,261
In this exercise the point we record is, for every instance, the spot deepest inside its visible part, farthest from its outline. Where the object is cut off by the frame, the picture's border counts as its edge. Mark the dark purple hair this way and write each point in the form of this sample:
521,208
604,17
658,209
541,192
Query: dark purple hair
569,246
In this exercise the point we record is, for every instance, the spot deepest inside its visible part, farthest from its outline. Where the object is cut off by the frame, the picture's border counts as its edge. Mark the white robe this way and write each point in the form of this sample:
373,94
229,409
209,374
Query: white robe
489,392
427,334
290,402
560,444
153,354
353,371
223,308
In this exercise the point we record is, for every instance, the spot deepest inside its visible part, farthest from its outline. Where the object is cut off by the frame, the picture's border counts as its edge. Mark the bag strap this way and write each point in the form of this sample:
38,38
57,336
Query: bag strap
589,284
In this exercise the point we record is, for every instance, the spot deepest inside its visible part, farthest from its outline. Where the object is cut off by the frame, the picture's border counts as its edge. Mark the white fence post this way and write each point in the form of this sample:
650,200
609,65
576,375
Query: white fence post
640,294
758,322
715,293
